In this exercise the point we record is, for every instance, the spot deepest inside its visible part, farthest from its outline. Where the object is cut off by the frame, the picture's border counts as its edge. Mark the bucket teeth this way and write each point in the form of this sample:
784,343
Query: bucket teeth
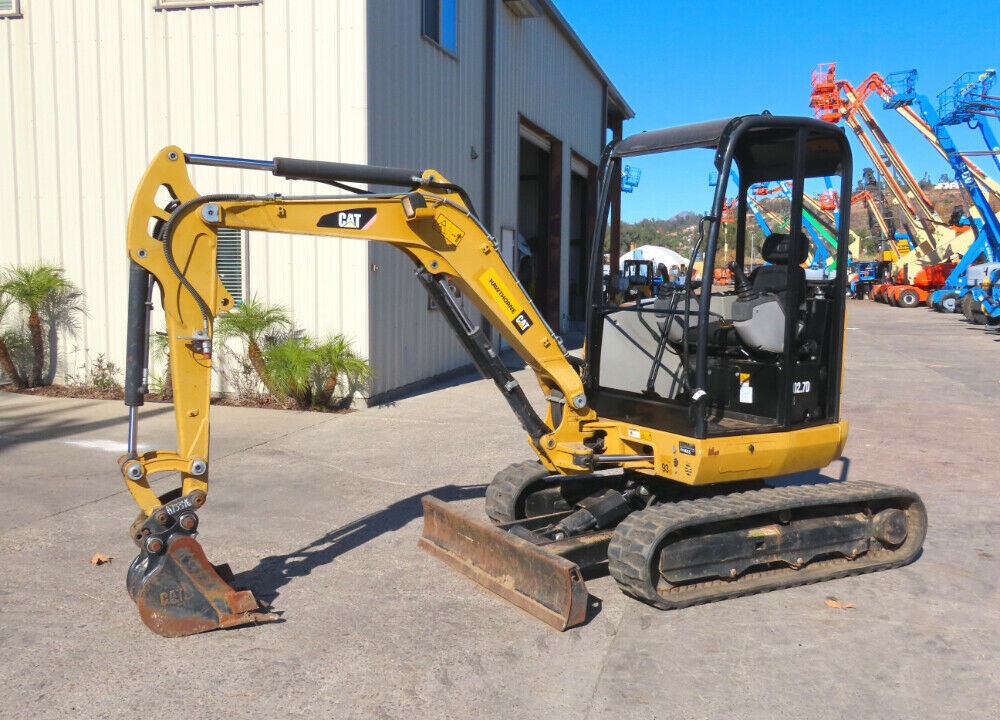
179,592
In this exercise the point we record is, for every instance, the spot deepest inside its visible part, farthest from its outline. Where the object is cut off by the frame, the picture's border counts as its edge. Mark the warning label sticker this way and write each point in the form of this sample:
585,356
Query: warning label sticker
495,287
746,390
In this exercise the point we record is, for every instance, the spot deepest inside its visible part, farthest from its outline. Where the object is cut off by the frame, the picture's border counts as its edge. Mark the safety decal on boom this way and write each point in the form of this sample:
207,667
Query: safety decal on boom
449,231
354,219
496,288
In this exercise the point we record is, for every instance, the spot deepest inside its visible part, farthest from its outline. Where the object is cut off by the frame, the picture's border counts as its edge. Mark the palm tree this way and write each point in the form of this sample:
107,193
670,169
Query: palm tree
252,321
290,367
6,361
339,362
31,287
61,311
160,349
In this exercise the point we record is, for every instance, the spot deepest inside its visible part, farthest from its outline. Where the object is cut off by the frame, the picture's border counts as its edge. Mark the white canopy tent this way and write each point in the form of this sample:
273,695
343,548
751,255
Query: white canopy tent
655,253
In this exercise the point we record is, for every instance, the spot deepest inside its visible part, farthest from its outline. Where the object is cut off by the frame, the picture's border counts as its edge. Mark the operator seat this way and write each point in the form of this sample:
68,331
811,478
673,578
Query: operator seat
677,315
759,313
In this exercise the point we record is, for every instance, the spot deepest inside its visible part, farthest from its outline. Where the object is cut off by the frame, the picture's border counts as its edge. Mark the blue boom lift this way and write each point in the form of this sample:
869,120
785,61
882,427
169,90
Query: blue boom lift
986,247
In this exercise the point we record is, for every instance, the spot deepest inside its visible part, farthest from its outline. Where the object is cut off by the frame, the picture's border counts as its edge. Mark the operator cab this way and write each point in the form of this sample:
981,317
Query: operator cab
754,349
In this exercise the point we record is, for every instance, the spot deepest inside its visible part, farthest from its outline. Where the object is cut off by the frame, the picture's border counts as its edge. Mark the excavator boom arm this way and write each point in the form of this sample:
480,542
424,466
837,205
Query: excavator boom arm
431,224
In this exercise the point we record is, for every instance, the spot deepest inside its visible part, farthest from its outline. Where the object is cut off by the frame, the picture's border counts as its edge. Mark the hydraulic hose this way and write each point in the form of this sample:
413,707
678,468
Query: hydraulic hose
166,236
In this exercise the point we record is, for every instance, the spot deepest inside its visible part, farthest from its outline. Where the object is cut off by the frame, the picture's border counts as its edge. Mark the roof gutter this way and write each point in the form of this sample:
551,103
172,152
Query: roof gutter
615,99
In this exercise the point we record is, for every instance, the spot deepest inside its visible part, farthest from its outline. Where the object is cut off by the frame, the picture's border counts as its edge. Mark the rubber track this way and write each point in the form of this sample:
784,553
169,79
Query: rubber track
507,487
632,552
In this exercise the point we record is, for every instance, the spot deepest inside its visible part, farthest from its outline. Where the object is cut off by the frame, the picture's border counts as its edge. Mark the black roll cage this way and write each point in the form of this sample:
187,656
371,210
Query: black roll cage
765,148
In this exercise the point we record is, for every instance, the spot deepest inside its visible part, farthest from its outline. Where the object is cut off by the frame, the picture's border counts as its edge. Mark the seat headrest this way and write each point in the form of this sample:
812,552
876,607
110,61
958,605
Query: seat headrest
776,248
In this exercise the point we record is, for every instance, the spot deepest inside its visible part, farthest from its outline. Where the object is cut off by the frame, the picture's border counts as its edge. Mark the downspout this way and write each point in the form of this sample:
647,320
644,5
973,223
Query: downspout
489,112
489,133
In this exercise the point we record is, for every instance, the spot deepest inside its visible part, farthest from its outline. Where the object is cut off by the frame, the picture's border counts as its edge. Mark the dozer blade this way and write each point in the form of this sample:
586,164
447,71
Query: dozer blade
545,585
179,592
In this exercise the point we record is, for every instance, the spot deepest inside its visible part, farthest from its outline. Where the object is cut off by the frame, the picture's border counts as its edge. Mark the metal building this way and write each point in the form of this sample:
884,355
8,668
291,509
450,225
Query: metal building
499,95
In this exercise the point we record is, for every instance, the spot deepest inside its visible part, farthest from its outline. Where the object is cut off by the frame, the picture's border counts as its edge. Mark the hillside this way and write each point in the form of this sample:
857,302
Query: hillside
676,233
679,232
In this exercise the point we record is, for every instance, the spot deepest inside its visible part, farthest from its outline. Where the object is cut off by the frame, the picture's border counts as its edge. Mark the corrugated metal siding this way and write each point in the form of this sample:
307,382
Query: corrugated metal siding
540,77
425,110
93,89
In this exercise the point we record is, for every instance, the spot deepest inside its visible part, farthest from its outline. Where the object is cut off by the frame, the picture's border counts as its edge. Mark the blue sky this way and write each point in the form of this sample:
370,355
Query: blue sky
679,62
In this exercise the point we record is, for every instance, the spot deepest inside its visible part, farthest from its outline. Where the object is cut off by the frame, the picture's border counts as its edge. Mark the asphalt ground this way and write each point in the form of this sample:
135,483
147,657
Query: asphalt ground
320,514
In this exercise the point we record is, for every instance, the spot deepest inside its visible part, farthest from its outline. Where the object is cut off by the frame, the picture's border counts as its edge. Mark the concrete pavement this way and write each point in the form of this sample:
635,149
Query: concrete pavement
320,515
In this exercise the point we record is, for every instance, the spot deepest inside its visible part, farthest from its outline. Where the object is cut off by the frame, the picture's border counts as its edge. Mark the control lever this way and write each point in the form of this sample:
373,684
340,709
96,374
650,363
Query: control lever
742,281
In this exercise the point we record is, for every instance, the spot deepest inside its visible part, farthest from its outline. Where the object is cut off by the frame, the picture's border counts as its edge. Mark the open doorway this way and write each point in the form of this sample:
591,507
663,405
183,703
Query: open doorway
581,223
538,223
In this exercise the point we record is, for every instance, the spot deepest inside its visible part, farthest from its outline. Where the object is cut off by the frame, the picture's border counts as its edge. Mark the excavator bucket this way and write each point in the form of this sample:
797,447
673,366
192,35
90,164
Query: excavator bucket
542,583
179,592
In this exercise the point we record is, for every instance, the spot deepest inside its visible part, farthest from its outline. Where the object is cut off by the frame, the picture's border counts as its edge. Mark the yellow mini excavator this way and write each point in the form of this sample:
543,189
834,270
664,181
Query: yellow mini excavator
663,454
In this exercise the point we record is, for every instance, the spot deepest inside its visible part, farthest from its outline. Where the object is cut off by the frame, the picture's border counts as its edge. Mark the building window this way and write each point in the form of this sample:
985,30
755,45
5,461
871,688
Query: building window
184,4
229,261
10,8
440,23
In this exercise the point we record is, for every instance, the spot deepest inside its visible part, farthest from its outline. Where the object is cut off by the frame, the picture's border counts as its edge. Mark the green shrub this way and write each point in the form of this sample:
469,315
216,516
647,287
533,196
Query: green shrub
101,379
315,375
342,370
255,323
290,366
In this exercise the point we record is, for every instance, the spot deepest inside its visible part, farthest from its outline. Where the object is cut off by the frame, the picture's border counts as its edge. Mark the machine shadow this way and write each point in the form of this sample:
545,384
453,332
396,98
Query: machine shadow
275,571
